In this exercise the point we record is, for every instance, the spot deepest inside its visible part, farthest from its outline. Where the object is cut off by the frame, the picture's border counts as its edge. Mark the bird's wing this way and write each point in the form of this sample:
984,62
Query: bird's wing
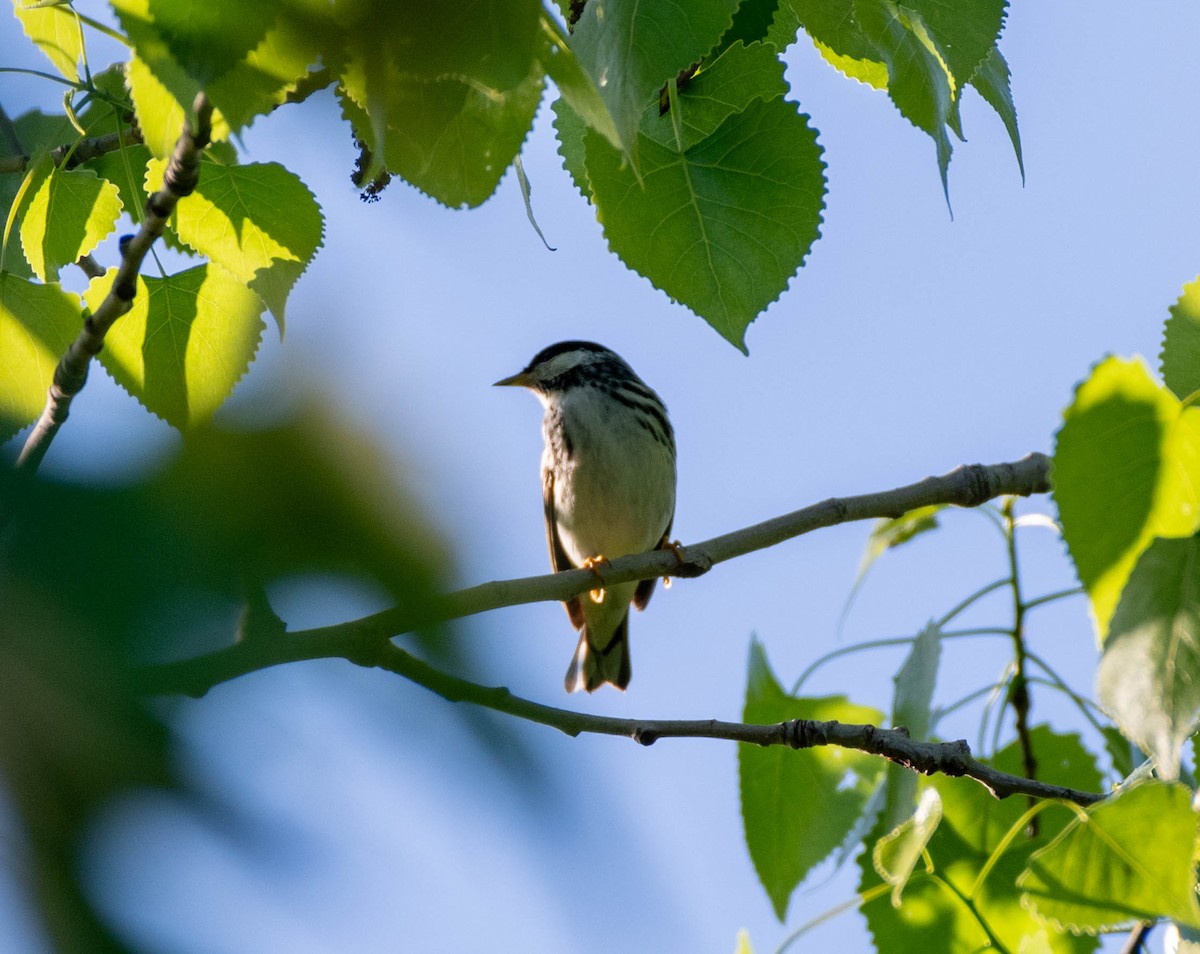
645,589
558,556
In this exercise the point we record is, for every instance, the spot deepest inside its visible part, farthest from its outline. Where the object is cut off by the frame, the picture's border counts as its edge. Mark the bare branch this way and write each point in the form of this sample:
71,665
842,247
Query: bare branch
929,758
358,639
181,177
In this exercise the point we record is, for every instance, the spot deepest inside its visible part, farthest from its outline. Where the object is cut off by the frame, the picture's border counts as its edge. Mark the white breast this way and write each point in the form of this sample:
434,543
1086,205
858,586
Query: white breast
614,494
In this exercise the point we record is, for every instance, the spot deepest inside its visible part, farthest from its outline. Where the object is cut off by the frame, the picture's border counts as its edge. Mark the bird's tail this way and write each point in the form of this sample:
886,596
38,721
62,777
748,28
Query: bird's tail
592,667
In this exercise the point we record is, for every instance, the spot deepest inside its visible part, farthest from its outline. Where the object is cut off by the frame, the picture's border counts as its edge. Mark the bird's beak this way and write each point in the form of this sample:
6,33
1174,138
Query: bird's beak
522,380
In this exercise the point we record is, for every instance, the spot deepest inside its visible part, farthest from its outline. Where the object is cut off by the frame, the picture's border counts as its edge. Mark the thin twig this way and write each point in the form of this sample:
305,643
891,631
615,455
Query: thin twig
181,177
965,486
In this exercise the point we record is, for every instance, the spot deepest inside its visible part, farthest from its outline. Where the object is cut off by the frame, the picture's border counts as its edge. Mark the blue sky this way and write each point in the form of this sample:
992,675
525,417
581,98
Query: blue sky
910,343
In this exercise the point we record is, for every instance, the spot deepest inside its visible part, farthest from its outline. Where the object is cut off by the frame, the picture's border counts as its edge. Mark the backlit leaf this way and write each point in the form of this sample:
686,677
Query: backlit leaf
798,806
1149,676
1181,343
187,341
37,324
163,95
205,37
56,32
1125,471
896,854
933,918
68,214
1131,858
258,221
915,682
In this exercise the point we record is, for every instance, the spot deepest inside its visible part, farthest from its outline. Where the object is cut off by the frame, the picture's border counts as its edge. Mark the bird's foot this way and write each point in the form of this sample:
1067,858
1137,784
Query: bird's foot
675,547
594,564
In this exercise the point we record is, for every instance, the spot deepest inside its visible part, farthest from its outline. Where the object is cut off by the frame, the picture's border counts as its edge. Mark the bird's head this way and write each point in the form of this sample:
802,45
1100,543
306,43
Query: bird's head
568,364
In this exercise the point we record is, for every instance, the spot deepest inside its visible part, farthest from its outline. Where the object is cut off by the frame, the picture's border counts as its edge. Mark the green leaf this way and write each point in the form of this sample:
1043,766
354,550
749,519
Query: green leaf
966,31
491,43
186,342
40,132
1125,471
162,95
915,682
56,32
742,75
896,854
720,223
1181,343
578,90
1149,675
205,37
259,222
991,81
752,23
126,169
247,70
833,26
1120,751
919,81
570,129
798,806
260,82
450,140
922,51
37,325
933,918
70,212
631,49
1129,858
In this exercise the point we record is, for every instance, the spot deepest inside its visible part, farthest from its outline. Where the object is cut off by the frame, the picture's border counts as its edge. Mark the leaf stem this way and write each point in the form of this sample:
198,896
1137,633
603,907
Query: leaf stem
969,904
970,600
42,74
1051,597
887,643
857,901
1019,691
1025,821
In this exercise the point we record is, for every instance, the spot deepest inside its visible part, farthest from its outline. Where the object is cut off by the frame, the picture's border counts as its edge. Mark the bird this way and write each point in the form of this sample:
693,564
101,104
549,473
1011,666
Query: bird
608,490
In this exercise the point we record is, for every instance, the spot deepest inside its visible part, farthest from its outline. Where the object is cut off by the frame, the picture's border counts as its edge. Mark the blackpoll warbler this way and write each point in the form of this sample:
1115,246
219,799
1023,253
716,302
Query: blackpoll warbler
608,486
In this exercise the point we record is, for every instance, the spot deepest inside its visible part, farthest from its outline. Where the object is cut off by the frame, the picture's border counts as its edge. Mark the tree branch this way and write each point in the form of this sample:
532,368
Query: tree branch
928,758
359,640
366,642
83,151
183,172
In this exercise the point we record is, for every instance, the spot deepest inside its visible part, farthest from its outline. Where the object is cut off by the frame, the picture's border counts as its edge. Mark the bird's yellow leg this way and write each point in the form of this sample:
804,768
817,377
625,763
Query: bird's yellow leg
594,564
675,547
